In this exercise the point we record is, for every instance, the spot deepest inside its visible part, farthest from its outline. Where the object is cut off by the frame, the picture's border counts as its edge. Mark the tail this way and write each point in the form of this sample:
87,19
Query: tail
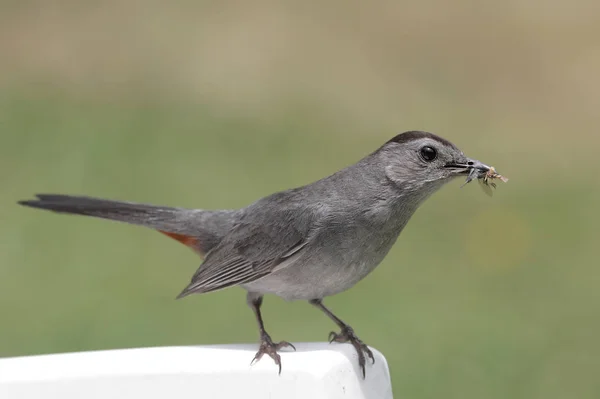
156,217
196,228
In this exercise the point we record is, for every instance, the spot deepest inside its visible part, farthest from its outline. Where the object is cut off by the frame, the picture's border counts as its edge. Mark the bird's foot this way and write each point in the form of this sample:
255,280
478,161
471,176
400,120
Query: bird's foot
347,335
267,346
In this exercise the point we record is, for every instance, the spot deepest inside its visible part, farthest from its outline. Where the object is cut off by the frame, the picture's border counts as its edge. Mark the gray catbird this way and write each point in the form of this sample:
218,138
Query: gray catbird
304,243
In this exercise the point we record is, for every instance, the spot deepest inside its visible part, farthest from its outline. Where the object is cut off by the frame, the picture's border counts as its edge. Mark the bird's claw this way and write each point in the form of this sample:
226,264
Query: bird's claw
347,335
267,346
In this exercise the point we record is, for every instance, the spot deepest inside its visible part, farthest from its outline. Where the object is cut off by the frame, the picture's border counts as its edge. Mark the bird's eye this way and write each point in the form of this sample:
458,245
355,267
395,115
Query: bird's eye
428,153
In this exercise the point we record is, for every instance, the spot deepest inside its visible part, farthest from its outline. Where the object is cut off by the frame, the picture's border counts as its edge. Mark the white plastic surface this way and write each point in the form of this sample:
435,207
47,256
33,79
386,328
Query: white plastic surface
315,371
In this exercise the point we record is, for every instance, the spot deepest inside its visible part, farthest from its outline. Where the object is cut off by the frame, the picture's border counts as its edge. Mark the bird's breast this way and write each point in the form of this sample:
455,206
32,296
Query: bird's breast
337,257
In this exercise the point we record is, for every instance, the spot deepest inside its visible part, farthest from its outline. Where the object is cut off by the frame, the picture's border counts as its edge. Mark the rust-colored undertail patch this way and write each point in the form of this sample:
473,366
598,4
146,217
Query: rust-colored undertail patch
188,241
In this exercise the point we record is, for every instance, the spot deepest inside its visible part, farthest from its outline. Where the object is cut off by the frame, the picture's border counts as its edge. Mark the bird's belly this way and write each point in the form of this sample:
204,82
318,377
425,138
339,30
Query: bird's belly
318,276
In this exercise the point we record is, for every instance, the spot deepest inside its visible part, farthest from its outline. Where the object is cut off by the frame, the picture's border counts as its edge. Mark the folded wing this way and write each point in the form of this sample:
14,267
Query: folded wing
248,252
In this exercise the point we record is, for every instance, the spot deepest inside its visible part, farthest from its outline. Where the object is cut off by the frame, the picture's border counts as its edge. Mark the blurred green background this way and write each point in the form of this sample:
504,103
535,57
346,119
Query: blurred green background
215,104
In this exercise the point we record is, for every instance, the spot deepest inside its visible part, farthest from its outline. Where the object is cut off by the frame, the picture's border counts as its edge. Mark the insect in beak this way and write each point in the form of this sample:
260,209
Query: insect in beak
485,178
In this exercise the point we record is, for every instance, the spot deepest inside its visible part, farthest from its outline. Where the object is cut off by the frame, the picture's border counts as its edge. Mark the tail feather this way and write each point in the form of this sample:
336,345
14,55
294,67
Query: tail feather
158,217
196,228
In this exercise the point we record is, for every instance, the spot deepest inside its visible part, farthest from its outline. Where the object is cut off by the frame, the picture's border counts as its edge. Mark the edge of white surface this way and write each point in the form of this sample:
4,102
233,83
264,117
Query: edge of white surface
321,364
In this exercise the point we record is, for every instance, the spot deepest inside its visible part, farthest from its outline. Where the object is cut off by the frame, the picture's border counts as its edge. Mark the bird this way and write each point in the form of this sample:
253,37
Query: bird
305,243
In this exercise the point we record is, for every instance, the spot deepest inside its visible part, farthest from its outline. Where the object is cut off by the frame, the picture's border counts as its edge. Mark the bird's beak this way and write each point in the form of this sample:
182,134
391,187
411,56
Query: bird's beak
464,168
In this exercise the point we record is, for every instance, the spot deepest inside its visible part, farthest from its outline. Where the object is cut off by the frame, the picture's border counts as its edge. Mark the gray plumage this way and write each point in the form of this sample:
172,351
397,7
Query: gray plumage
304,243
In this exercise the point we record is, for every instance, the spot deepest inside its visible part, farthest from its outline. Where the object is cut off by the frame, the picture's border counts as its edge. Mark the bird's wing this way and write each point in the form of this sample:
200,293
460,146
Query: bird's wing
252,249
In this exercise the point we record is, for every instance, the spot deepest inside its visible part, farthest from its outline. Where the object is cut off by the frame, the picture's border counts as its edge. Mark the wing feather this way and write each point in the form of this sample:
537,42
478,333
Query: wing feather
248,252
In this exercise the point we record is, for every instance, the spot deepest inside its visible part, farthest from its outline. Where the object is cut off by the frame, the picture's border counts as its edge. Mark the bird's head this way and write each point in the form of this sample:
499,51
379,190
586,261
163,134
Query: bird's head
422,162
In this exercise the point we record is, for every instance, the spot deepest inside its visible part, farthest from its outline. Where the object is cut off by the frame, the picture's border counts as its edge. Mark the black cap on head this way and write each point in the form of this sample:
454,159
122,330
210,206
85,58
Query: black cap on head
416,135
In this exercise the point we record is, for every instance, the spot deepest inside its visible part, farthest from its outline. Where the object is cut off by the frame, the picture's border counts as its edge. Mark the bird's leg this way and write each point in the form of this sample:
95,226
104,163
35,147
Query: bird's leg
266,343
346,335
